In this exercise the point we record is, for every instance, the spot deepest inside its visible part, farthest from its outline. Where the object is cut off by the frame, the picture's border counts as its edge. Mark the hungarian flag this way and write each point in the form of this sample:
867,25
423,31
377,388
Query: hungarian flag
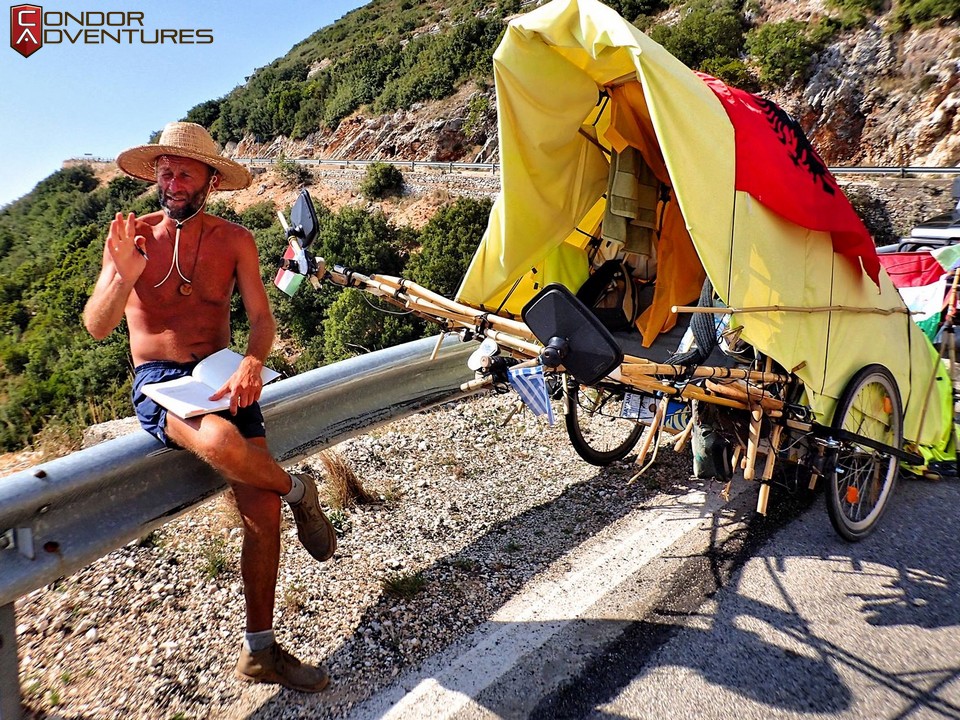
778,166
922,282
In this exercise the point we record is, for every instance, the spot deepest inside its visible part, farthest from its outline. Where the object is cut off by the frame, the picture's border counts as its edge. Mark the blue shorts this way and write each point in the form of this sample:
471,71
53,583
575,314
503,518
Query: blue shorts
153,417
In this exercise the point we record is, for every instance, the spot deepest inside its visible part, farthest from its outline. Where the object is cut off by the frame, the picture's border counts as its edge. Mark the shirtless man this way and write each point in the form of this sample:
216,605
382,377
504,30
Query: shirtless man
171,273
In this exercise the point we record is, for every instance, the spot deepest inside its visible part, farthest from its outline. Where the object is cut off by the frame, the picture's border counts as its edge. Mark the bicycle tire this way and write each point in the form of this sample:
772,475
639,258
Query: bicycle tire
863,480
597,432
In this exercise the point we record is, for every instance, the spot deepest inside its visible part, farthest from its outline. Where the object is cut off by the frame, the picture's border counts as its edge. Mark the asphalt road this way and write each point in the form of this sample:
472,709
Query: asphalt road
696,608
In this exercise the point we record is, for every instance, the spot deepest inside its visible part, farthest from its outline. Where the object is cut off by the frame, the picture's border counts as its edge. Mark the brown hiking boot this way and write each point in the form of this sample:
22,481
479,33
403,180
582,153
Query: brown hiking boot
276,665
315,531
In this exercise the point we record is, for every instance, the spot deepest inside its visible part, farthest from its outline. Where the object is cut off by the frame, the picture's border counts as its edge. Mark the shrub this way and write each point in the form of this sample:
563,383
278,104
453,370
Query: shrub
381,180
292,173
478,107
732,71
448,242
260,216
357,324
907,13
707,29
782,50
854,13
633,9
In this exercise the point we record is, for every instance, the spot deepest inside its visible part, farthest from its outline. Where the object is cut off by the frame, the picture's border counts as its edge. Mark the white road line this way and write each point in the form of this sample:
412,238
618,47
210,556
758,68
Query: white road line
543,608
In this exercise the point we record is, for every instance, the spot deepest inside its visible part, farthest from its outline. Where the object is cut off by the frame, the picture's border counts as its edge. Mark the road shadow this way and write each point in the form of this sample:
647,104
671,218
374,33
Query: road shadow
728,643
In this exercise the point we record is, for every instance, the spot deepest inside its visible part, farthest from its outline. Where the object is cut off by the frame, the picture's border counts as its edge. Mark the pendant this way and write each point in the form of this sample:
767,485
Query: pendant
186,288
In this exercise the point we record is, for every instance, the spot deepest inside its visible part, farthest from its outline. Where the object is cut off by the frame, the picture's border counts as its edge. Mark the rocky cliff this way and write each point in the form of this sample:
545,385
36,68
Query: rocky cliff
874,97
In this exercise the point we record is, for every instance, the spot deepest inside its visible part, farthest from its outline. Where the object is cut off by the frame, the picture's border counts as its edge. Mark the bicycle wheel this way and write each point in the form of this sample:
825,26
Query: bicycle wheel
597,431
864,478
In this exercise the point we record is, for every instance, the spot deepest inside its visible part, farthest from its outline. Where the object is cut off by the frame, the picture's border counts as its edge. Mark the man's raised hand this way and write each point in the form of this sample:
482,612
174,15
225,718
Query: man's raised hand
127,249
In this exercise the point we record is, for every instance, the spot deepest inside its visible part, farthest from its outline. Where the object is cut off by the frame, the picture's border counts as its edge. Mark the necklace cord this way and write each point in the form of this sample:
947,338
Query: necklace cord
175,262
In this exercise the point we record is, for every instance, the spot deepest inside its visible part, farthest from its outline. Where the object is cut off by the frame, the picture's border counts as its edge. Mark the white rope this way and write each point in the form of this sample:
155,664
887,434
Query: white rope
175,262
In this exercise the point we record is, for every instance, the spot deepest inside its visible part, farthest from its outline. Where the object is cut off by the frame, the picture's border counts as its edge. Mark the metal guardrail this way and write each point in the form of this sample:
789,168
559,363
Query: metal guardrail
900,171
61,516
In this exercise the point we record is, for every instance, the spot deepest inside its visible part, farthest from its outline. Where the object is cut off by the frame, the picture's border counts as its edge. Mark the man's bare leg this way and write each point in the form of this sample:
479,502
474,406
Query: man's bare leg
260,556
218,442
258,483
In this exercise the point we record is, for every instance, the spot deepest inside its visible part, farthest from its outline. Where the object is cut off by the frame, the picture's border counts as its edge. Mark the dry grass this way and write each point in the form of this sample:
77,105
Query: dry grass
344,489
227,513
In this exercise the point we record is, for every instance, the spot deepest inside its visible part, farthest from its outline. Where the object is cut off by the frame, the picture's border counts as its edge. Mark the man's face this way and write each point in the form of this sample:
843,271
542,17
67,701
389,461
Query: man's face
182,185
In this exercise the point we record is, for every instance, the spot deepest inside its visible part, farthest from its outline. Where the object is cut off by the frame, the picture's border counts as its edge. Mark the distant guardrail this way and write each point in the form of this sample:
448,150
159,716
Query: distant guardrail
412,165
494,168
89,158
901,171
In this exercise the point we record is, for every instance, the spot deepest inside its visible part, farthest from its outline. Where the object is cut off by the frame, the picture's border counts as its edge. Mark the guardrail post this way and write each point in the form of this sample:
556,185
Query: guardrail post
9,667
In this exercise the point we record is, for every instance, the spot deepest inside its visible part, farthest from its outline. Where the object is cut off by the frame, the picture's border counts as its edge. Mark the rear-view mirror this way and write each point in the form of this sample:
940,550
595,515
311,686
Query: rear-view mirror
303,219
562,323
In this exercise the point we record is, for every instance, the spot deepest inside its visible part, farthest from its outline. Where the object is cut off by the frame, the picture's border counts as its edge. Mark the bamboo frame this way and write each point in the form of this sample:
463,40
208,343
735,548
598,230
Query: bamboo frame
634,367
634,372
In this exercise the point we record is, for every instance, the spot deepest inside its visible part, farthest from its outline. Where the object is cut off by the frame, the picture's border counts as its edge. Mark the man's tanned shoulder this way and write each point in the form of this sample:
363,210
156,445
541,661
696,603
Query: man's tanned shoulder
227,227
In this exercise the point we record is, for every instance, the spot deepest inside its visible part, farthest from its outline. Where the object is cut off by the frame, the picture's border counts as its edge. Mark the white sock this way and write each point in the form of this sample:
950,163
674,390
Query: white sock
257,641
296,491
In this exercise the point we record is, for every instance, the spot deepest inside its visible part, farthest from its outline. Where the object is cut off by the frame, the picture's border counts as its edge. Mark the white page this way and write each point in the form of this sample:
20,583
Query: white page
216,369
185,397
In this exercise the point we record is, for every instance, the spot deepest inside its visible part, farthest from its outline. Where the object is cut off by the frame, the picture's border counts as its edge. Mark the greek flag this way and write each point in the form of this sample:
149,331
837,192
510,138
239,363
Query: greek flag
532,389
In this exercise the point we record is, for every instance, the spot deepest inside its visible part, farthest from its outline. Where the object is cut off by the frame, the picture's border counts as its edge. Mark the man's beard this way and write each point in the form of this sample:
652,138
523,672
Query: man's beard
185,211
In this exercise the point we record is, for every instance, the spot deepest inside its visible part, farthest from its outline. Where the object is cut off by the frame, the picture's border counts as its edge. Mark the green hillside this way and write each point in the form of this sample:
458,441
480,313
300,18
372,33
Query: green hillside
391,54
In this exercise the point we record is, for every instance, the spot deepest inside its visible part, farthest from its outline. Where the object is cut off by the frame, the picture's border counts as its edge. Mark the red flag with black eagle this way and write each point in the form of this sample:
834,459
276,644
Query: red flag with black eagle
778,166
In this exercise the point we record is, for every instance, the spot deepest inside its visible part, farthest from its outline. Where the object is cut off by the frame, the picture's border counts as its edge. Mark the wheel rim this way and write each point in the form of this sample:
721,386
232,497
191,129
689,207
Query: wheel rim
864,476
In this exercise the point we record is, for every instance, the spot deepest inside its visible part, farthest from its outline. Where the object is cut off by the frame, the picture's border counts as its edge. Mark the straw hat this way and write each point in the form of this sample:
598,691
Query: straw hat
183,139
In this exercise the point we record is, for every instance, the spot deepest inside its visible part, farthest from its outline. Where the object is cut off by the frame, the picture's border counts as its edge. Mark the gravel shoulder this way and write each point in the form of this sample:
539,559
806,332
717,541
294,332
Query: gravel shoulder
470,510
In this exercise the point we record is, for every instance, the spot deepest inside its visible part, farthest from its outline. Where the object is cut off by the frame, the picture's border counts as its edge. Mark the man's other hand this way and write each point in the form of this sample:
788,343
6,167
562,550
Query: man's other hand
244,386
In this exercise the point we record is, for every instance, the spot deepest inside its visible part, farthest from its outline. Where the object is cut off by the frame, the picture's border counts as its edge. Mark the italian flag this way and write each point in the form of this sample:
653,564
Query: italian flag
287,280
922,282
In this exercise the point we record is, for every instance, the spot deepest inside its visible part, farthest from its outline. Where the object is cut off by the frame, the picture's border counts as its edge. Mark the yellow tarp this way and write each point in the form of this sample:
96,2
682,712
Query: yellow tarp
574,78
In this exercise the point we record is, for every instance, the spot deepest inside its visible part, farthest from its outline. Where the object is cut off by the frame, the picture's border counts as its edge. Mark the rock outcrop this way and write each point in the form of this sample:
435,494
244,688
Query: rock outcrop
874,97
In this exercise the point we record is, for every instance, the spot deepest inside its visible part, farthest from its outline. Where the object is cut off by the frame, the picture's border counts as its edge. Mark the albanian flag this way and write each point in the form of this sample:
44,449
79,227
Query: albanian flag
778,166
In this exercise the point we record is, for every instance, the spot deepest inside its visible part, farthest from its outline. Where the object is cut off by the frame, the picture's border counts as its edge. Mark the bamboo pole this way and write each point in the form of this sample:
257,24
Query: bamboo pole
436,348
684,436
753,443
631,370
737,393
764,495
654,428
737,457
514,327
787,308
425,307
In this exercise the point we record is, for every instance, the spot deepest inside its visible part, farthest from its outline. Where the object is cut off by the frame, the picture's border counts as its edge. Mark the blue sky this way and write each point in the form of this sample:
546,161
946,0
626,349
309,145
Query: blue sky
67,100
